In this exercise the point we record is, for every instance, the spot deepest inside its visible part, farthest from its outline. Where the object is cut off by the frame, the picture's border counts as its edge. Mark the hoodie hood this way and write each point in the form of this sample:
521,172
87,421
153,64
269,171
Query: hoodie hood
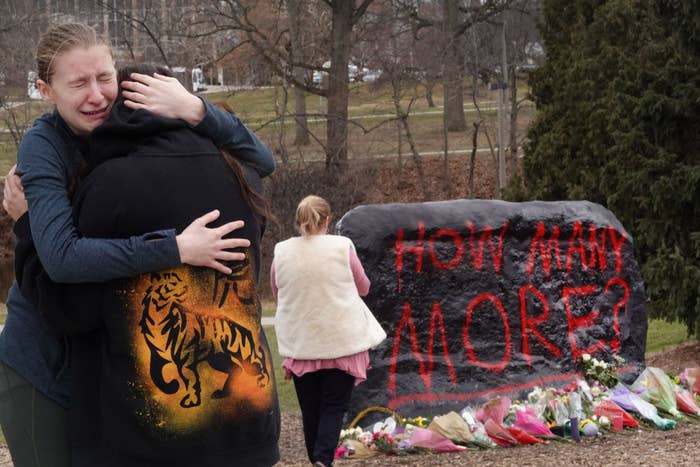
127,130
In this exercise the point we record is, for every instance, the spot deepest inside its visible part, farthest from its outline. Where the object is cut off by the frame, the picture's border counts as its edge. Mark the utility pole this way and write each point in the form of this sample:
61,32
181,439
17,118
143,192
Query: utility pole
501,87
502,117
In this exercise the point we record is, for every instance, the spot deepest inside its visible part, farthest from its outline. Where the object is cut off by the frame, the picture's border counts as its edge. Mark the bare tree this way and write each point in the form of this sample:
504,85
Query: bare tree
452,67
20,26
398,70
296,55
454,19
503,50
524,53
270,41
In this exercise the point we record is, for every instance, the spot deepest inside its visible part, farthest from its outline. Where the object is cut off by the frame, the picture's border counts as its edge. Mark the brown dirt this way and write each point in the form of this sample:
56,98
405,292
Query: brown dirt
676,359
403,184
645,446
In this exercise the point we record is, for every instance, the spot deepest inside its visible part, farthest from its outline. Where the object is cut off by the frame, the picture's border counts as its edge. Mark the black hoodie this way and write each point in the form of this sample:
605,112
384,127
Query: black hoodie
170,368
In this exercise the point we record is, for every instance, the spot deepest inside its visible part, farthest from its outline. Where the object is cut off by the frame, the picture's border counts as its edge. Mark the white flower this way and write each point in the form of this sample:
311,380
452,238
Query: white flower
365,438
595,391
586,357
604,365
604,421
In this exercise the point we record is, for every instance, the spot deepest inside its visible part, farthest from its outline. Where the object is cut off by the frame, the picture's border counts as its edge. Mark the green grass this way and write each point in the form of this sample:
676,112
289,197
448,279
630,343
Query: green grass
256,108
662,335
268,308
285,388
8,157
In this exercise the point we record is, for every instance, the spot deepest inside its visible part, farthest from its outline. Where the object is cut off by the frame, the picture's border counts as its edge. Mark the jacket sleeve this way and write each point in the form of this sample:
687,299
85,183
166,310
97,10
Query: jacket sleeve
67,308
65,256
228,132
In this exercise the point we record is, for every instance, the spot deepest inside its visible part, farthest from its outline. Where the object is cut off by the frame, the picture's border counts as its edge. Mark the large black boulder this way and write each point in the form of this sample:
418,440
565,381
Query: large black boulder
481,298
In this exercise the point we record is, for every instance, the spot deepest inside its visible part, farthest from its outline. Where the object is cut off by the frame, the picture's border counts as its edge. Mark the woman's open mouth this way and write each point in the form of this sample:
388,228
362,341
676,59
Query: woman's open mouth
95,114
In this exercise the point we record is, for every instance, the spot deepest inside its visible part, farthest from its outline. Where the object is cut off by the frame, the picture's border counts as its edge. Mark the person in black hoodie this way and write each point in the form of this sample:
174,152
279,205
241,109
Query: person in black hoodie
171,368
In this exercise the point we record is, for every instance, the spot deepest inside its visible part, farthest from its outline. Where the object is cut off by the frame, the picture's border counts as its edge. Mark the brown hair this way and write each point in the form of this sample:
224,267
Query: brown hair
312,212
253,199
61,39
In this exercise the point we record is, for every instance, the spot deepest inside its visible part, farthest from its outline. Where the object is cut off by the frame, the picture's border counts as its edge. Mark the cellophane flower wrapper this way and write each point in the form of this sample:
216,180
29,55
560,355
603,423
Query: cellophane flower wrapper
360,451
529,422
632,402
523,437
495,409
609,409
499,434
480,437
657,389
538,399
690,377
575,406
424,438
585,390
388,425
453,427
469,416
559,410
686,402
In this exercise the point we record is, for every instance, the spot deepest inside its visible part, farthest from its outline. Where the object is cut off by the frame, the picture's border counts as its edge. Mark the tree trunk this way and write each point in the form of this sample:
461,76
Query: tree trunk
296,55
337,126
452,69
399,159
281,110
429,86
403,121
445,159
513,137
472,160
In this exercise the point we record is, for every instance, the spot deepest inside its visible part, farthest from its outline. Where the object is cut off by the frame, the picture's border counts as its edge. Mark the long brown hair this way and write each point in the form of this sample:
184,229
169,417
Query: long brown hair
253,199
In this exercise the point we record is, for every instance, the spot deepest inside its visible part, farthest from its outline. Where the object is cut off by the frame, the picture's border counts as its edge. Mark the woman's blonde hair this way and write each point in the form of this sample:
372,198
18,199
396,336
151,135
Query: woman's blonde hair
311,214
63,38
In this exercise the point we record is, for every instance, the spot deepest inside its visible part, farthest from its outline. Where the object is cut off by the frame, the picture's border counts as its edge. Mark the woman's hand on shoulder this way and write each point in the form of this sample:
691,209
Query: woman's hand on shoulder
14,202
164,96
200,245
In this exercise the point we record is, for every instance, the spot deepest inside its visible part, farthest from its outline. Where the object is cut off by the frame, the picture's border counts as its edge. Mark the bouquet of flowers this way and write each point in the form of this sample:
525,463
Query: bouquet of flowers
601,371
383,442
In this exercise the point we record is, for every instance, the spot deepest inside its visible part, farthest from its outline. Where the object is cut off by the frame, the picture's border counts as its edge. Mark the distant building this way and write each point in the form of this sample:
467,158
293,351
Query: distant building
146,31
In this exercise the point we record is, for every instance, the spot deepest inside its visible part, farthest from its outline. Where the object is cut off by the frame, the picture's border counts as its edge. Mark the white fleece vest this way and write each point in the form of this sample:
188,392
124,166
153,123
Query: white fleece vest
320,314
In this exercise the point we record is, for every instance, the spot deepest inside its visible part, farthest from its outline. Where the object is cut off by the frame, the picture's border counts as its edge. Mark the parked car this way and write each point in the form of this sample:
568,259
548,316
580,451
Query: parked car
371,76
198,83
32,90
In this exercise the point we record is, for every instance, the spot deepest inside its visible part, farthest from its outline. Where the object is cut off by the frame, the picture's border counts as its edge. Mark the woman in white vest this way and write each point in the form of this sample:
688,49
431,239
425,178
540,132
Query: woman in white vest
324,329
